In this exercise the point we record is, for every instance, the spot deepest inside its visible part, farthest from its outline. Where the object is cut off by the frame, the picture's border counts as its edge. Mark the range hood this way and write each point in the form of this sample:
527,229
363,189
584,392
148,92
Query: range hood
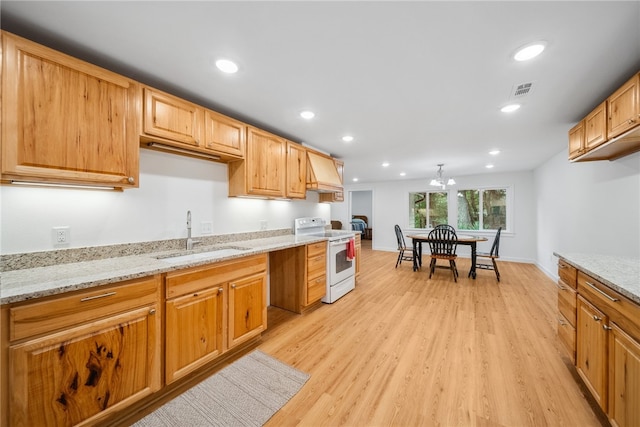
322,173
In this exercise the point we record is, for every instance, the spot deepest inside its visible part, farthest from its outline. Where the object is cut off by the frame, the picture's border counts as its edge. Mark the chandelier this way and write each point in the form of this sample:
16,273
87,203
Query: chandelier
439,180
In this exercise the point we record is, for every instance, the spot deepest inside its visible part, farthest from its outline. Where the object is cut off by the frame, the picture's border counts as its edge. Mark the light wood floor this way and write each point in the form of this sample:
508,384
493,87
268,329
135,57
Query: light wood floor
404,350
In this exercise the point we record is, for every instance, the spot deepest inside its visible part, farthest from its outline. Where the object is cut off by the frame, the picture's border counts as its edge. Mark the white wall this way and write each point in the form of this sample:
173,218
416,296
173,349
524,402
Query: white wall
157,210
590,207
391,206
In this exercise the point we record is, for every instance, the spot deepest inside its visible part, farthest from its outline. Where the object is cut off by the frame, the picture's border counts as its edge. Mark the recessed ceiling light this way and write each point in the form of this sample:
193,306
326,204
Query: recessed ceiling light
355,179
494,152
226,66
529,51
403,174
307,115
510,108
385,164
489,166
347,138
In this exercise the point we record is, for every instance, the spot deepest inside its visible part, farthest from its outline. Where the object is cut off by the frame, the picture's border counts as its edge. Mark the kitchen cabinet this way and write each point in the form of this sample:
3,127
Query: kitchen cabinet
296,171
212,309
612,129
608,349
335,196
624,108
70,368
592,350
316,279
66,121
173,124
298,276
322,173
263,171
567,306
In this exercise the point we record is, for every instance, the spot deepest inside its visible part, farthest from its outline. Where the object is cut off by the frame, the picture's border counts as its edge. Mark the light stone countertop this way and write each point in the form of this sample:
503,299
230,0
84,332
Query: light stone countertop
32,283
622,274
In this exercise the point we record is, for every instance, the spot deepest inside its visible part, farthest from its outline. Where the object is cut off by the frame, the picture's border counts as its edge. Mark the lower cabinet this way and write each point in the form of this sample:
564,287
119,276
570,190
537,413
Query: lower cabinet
358,253
212,309
68,367
608,350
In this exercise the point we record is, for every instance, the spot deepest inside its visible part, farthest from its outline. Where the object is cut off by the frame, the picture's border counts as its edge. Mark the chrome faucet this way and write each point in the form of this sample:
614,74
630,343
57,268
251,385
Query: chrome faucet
190,241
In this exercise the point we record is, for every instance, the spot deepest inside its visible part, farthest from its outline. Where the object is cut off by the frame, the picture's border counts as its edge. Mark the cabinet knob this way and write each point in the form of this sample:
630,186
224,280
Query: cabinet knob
596,318
130,180
220,290
152,311
606,327
233,286
631,121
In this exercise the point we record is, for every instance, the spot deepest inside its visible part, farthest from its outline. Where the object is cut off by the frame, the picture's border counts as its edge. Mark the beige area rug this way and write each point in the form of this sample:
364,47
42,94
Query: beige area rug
246,393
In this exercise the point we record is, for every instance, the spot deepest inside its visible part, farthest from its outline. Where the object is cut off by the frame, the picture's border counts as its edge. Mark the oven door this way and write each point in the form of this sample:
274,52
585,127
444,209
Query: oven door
340,268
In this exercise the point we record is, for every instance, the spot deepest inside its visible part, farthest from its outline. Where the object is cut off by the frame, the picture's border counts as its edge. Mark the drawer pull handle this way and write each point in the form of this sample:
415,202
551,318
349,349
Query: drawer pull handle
606,327
610,298
562,266
108,294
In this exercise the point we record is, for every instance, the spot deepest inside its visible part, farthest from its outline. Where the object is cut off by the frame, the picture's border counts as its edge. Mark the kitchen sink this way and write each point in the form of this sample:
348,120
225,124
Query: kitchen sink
210,254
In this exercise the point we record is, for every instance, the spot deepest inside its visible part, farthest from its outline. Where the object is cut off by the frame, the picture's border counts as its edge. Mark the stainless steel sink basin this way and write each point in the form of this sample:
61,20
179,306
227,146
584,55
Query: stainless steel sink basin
210,254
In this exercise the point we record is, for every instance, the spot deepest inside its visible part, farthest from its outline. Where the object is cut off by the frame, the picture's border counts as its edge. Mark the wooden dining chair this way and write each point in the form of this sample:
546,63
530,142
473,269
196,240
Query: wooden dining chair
443,245
402,247
492,255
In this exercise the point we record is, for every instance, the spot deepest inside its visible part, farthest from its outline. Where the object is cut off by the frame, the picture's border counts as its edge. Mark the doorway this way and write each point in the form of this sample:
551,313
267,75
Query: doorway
361,206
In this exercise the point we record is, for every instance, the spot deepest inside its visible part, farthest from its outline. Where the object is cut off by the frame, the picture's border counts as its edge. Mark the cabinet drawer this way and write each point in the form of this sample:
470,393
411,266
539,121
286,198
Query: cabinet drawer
316,266
567,336
198,278
316,249
620,309
567,273
46,316
316,289
567,303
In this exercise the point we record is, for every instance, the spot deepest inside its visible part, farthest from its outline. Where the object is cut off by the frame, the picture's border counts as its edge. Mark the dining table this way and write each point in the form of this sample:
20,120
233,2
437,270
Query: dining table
462,239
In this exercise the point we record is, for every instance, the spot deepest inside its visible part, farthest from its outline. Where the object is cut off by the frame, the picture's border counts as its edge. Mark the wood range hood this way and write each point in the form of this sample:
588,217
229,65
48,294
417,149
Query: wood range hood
322,173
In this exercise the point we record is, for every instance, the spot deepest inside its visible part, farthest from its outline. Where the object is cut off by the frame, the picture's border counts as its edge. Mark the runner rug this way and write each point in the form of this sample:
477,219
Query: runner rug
246,393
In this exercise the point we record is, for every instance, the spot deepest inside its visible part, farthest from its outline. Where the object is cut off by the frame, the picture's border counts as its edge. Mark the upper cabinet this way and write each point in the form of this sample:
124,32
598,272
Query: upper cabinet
296,171
172,124
612,130
263,171
66,121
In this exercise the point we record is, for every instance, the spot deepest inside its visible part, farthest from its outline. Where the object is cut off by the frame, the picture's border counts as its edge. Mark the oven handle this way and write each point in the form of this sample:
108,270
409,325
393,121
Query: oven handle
339,242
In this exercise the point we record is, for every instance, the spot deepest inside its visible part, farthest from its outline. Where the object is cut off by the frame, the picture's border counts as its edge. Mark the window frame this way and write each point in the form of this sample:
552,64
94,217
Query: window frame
411,220
508,228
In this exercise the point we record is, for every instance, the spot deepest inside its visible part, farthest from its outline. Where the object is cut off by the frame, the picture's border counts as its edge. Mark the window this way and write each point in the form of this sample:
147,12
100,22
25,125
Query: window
428,209
484,209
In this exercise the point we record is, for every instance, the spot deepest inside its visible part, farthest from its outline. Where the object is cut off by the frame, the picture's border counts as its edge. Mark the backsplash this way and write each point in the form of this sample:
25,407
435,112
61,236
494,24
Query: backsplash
65,256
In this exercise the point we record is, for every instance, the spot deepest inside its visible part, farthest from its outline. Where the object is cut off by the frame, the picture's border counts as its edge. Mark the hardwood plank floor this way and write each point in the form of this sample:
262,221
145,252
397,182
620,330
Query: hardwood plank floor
404,350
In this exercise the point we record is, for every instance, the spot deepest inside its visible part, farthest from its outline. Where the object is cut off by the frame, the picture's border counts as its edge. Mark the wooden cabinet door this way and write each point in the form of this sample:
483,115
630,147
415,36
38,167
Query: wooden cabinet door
266,164
247,308
624,380
595,127
66,121
591,350
194,325
296,171
576,140
83,373
624,108
224,134
172,118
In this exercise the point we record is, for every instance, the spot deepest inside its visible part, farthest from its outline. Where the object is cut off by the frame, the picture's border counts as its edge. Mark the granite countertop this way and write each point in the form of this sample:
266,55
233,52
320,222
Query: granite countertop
622,274
31,283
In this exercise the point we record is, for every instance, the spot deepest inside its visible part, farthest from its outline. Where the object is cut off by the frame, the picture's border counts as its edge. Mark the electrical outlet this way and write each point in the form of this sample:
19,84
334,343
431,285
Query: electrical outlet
61,236
206,227
263,224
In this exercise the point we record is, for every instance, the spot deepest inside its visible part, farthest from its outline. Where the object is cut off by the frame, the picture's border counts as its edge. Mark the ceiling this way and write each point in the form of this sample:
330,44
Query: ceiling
415,83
